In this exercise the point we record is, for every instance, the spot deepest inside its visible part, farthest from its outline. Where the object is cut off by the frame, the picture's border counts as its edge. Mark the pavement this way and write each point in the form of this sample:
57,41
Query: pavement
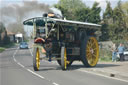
111,69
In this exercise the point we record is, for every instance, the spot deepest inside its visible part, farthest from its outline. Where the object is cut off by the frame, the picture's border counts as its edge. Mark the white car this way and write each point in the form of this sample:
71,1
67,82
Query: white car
125,54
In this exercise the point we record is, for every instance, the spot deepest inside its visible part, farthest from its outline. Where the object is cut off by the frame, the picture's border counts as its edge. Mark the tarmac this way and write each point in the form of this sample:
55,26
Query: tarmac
111,69
118,69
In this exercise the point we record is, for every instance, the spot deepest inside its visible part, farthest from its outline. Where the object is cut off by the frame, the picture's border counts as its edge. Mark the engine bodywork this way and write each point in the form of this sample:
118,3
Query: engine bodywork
52,34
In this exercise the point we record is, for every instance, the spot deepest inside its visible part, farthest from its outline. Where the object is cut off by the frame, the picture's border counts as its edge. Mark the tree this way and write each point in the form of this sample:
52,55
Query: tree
108,12
115,23
94,15
82,14
69,7
2,27
77,10
4,39
124,7
89,14
125,10
119,20
107,29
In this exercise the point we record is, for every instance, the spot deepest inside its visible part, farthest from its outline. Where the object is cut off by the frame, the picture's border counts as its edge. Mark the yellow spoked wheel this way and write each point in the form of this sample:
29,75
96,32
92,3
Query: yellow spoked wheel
63,58
36,59
90,51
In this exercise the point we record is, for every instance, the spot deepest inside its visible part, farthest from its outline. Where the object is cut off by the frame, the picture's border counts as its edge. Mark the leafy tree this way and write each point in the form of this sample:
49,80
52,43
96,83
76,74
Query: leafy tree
2,27
108,12
119,20
82,14
69,7
104,32
89,14
95,13
115,23
5,39
125,10
77,10
107,20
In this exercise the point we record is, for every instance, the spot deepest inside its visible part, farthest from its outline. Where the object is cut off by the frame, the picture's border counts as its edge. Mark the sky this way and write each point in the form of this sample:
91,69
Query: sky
51,2
7,3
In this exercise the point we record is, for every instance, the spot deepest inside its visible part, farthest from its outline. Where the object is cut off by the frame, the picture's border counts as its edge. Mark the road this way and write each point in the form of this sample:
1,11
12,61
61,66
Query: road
16,69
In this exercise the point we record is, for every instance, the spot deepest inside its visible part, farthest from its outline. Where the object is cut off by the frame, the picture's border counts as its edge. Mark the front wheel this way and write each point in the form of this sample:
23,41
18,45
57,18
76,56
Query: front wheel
36,59
89,51
68,64
63,58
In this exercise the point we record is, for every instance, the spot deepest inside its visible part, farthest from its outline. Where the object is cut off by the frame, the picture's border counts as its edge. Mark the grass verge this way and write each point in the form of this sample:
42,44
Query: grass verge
3,47
105,55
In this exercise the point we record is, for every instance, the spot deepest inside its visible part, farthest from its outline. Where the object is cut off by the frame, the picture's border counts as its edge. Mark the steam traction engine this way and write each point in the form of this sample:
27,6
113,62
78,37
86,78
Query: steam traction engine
64,41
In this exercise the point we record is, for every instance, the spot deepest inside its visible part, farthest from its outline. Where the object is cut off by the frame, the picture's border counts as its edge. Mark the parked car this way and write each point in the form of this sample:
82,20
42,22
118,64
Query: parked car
125,54
23,45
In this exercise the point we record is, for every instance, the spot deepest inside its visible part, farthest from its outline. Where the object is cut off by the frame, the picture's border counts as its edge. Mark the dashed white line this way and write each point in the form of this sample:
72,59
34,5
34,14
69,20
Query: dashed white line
14,59
35,74
55,83
103,75
29,69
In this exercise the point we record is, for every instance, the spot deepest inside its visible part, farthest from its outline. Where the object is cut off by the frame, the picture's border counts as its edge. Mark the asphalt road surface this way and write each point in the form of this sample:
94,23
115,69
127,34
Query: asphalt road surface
16,69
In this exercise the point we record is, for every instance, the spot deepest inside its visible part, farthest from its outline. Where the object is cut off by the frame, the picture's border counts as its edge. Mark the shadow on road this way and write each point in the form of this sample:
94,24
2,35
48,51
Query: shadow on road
105,65
72,67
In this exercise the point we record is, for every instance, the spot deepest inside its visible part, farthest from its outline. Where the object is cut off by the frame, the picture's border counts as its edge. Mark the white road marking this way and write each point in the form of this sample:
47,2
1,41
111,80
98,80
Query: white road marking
55,83
35,74
14,59
14,55
20,65
30,52
103,75
29,69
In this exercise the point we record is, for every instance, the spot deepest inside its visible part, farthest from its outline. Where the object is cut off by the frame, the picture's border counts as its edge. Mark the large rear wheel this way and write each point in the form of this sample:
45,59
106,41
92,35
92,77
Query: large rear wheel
36,59
89,51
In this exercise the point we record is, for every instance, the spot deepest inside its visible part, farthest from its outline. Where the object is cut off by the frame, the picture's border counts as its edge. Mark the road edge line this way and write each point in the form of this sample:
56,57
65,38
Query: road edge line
35,73
103,75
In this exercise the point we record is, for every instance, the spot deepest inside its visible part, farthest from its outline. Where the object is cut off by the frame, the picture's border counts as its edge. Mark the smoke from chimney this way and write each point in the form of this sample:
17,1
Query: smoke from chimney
13,15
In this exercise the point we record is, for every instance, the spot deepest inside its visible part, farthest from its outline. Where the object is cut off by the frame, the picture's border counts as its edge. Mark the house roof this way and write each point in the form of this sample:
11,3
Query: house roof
10,33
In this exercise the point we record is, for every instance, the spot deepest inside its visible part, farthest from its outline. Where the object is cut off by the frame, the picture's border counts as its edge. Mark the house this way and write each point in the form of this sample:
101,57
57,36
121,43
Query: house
11,36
